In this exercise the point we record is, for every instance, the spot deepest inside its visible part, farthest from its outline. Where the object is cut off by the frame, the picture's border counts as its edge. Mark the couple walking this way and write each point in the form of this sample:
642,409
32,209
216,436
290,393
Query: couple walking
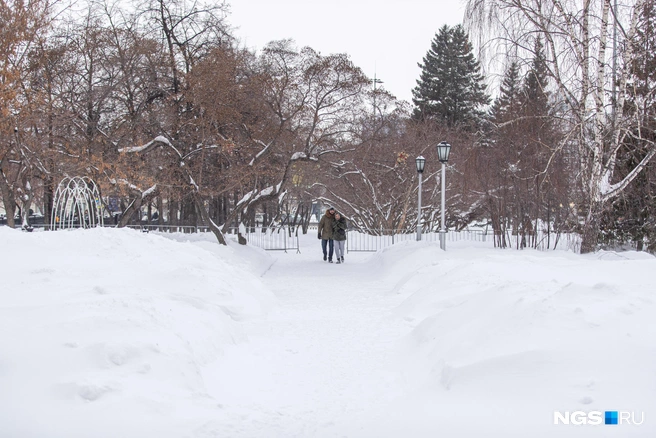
332,232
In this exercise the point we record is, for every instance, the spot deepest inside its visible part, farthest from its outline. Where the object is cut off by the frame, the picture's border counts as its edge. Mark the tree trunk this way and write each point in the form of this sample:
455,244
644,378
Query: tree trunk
202,212
306,218
590,234
265,221
129,212
160,212
26,203
48,199
173,210
134,207
8,199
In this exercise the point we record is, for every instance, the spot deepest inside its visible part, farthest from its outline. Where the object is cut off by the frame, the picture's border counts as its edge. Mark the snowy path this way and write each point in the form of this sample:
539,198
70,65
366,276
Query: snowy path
177,338
322,358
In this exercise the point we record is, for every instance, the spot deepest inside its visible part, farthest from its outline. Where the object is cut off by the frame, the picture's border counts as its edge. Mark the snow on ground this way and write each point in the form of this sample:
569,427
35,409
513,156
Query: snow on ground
502,339
104,332
109,333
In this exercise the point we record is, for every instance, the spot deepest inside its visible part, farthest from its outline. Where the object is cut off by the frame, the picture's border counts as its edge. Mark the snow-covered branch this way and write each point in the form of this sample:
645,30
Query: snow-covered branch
262,152
151,144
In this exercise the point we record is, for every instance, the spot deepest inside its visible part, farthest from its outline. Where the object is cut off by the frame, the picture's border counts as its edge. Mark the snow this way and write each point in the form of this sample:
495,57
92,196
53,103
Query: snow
513,336
266,192
148,191
127,183
246,197
135,149
298,156
104,332
109,333
262,152
192,182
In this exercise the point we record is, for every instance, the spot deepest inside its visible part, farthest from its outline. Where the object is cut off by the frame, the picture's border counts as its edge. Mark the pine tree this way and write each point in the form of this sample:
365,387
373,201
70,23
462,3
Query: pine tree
536,82
450,88
508,103
544,164
537,122
524,140
502,156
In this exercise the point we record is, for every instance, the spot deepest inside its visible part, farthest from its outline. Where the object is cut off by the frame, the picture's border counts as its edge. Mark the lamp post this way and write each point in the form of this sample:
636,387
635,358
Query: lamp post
375,81
419,161
443,150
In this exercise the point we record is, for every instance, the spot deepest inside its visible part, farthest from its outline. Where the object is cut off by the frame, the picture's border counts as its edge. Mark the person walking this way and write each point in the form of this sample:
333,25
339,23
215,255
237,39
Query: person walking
339,236
326,234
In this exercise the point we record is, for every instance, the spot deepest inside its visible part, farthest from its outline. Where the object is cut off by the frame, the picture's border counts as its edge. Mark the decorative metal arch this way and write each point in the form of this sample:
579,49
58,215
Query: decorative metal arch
77,204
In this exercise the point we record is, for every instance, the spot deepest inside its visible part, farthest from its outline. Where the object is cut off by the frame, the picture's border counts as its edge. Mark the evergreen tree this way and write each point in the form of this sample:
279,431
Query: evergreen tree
544,164
508,104
535,83
502,157
450,88
537,123
524,159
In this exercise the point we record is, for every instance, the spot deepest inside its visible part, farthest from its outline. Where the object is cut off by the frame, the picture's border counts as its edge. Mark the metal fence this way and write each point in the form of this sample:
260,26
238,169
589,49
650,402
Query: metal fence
539,240
185,229
361,241
272,239
368,242
269,239
286,238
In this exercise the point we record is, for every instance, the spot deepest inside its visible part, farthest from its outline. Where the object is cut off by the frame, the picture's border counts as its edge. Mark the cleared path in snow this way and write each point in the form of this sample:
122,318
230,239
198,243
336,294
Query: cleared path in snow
323,358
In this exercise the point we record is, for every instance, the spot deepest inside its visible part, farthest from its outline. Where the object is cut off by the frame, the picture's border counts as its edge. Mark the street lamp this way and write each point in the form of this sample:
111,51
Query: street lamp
375,81
419,161
443,150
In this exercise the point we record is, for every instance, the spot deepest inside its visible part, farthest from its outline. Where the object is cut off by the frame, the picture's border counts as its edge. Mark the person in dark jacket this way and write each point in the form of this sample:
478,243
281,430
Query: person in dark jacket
326,234
339,236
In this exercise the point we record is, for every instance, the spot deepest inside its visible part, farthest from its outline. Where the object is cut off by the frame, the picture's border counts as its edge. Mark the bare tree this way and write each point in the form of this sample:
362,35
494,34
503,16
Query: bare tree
314,102
579,62
23,26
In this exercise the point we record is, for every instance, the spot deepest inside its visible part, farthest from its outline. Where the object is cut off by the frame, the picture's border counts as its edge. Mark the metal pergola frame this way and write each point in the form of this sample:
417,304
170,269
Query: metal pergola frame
77,204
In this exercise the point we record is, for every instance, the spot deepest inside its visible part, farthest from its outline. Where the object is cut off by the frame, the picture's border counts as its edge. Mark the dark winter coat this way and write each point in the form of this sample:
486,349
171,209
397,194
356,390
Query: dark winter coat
339,228
326,226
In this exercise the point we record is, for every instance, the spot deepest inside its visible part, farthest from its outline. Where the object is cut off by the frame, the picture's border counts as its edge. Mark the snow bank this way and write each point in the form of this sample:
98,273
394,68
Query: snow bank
505,338
103,333
248,257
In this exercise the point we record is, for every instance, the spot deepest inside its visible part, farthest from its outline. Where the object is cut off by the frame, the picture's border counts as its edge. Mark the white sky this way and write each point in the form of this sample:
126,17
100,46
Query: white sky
386,37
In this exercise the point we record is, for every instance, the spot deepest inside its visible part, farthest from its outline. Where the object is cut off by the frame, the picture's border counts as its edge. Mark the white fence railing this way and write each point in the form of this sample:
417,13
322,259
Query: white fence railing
543,241
287,238
273,239
270,238
539,240
186,229
367,242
